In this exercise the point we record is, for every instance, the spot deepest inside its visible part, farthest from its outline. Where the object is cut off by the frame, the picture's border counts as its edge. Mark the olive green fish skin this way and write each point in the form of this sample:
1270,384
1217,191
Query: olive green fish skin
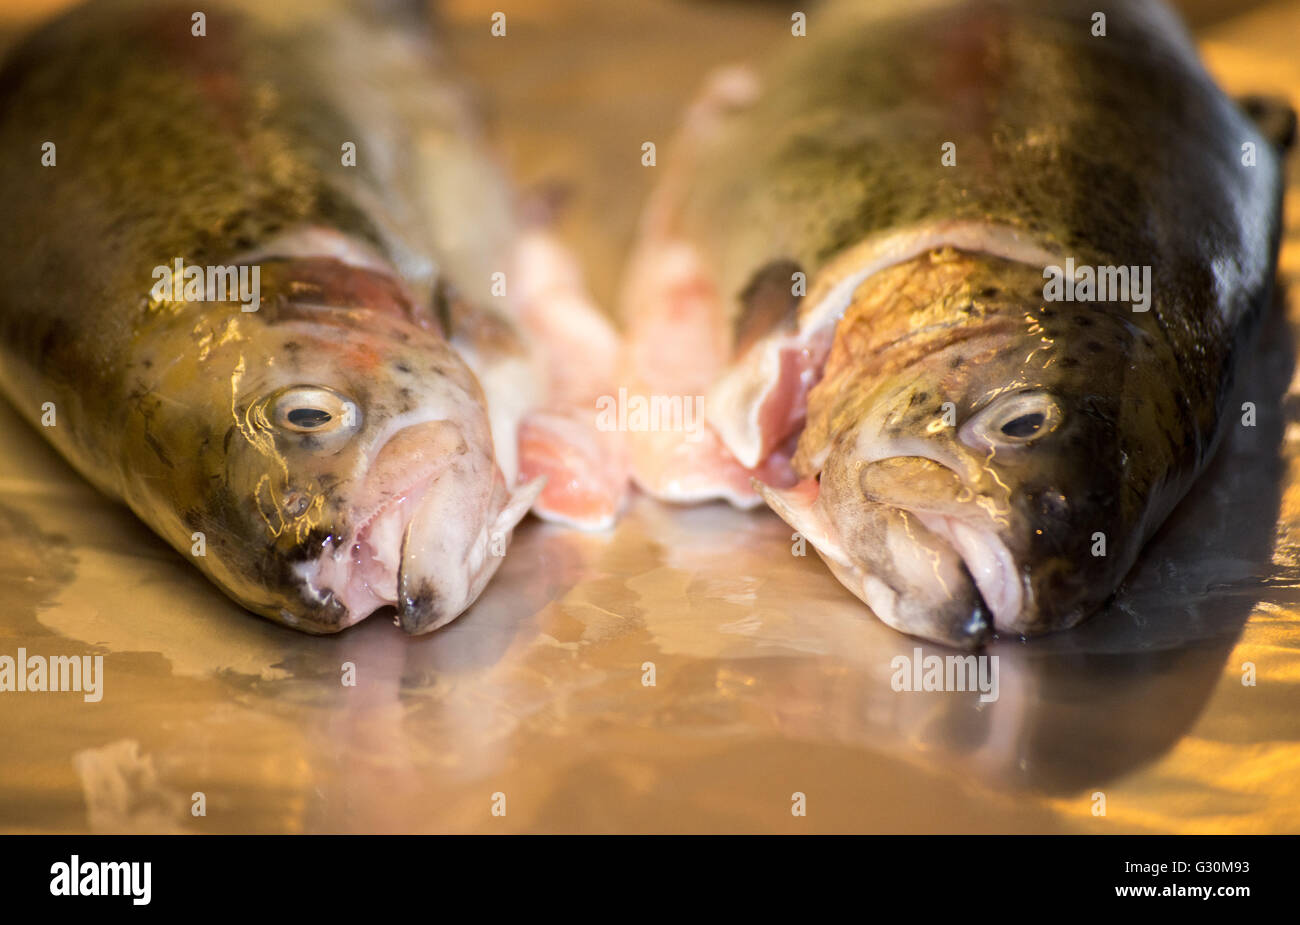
1114,150
171,145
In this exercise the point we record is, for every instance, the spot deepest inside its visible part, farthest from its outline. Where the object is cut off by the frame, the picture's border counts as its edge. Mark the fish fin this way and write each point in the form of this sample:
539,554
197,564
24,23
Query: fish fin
579,345
685,469
503,363
726,90
1273,116
522,498
677,345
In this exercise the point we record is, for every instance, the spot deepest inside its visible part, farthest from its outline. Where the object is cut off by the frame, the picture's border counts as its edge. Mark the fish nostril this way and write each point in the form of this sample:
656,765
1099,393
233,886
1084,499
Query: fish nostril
295,503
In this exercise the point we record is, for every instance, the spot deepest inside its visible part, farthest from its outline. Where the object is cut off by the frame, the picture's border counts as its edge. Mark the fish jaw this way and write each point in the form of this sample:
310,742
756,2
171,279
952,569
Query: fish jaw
449,552
913,579
989,563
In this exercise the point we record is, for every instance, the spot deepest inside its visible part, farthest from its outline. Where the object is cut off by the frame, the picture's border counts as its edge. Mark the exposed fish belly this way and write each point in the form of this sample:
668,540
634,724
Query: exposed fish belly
364,426
874,237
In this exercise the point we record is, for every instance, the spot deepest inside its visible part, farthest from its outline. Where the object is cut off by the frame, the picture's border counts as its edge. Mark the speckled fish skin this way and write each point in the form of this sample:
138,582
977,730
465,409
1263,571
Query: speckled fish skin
1114,151
227,149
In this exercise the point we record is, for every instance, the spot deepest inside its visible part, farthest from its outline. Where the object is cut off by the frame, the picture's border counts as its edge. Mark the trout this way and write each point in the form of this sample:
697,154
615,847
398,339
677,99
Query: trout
266,286
963,287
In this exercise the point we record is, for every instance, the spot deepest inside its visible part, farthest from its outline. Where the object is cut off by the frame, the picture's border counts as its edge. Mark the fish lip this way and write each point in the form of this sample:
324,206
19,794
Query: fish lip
409,499
992,568
463,560
968,631
419,610
352,593
419,607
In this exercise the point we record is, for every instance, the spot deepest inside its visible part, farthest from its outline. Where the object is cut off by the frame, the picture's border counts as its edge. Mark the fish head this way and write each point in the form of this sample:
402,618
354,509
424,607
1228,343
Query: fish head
998,471
336,460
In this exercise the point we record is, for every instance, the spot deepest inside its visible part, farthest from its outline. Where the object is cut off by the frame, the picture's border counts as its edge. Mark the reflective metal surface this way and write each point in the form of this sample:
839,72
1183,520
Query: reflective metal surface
769,677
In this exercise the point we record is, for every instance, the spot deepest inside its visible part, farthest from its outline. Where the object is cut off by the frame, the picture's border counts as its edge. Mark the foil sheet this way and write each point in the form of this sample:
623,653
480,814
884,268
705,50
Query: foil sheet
532,712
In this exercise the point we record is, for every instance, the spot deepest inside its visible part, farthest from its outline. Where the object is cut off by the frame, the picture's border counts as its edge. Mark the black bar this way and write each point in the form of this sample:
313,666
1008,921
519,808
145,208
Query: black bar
443,874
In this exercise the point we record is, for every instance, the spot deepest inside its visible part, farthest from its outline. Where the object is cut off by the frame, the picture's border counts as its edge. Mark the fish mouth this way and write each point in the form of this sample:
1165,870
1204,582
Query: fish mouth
989,562
428,552
361,574
905,533
952,516
961,620
913,579
430,548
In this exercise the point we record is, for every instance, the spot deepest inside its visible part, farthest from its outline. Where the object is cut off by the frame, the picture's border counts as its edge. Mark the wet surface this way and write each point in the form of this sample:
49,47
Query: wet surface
769,678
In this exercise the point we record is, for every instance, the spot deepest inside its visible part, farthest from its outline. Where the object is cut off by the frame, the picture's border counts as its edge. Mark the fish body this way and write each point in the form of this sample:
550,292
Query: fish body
875,235
344,434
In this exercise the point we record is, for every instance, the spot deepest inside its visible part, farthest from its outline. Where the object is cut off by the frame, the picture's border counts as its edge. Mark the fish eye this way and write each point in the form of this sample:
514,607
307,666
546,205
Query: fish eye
307,409
1024,426
1012,420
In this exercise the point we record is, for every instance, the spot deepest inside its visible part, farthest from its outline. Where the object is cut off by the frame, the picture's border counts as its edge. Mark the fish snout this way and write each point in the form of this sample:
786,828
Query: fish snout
421,609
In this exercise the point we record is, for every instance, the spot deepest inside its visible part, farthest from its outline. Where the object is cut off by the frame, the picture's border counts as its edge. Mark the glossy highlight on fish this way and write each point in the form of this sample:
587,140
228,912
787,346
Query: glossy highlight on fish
368,431
858,244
